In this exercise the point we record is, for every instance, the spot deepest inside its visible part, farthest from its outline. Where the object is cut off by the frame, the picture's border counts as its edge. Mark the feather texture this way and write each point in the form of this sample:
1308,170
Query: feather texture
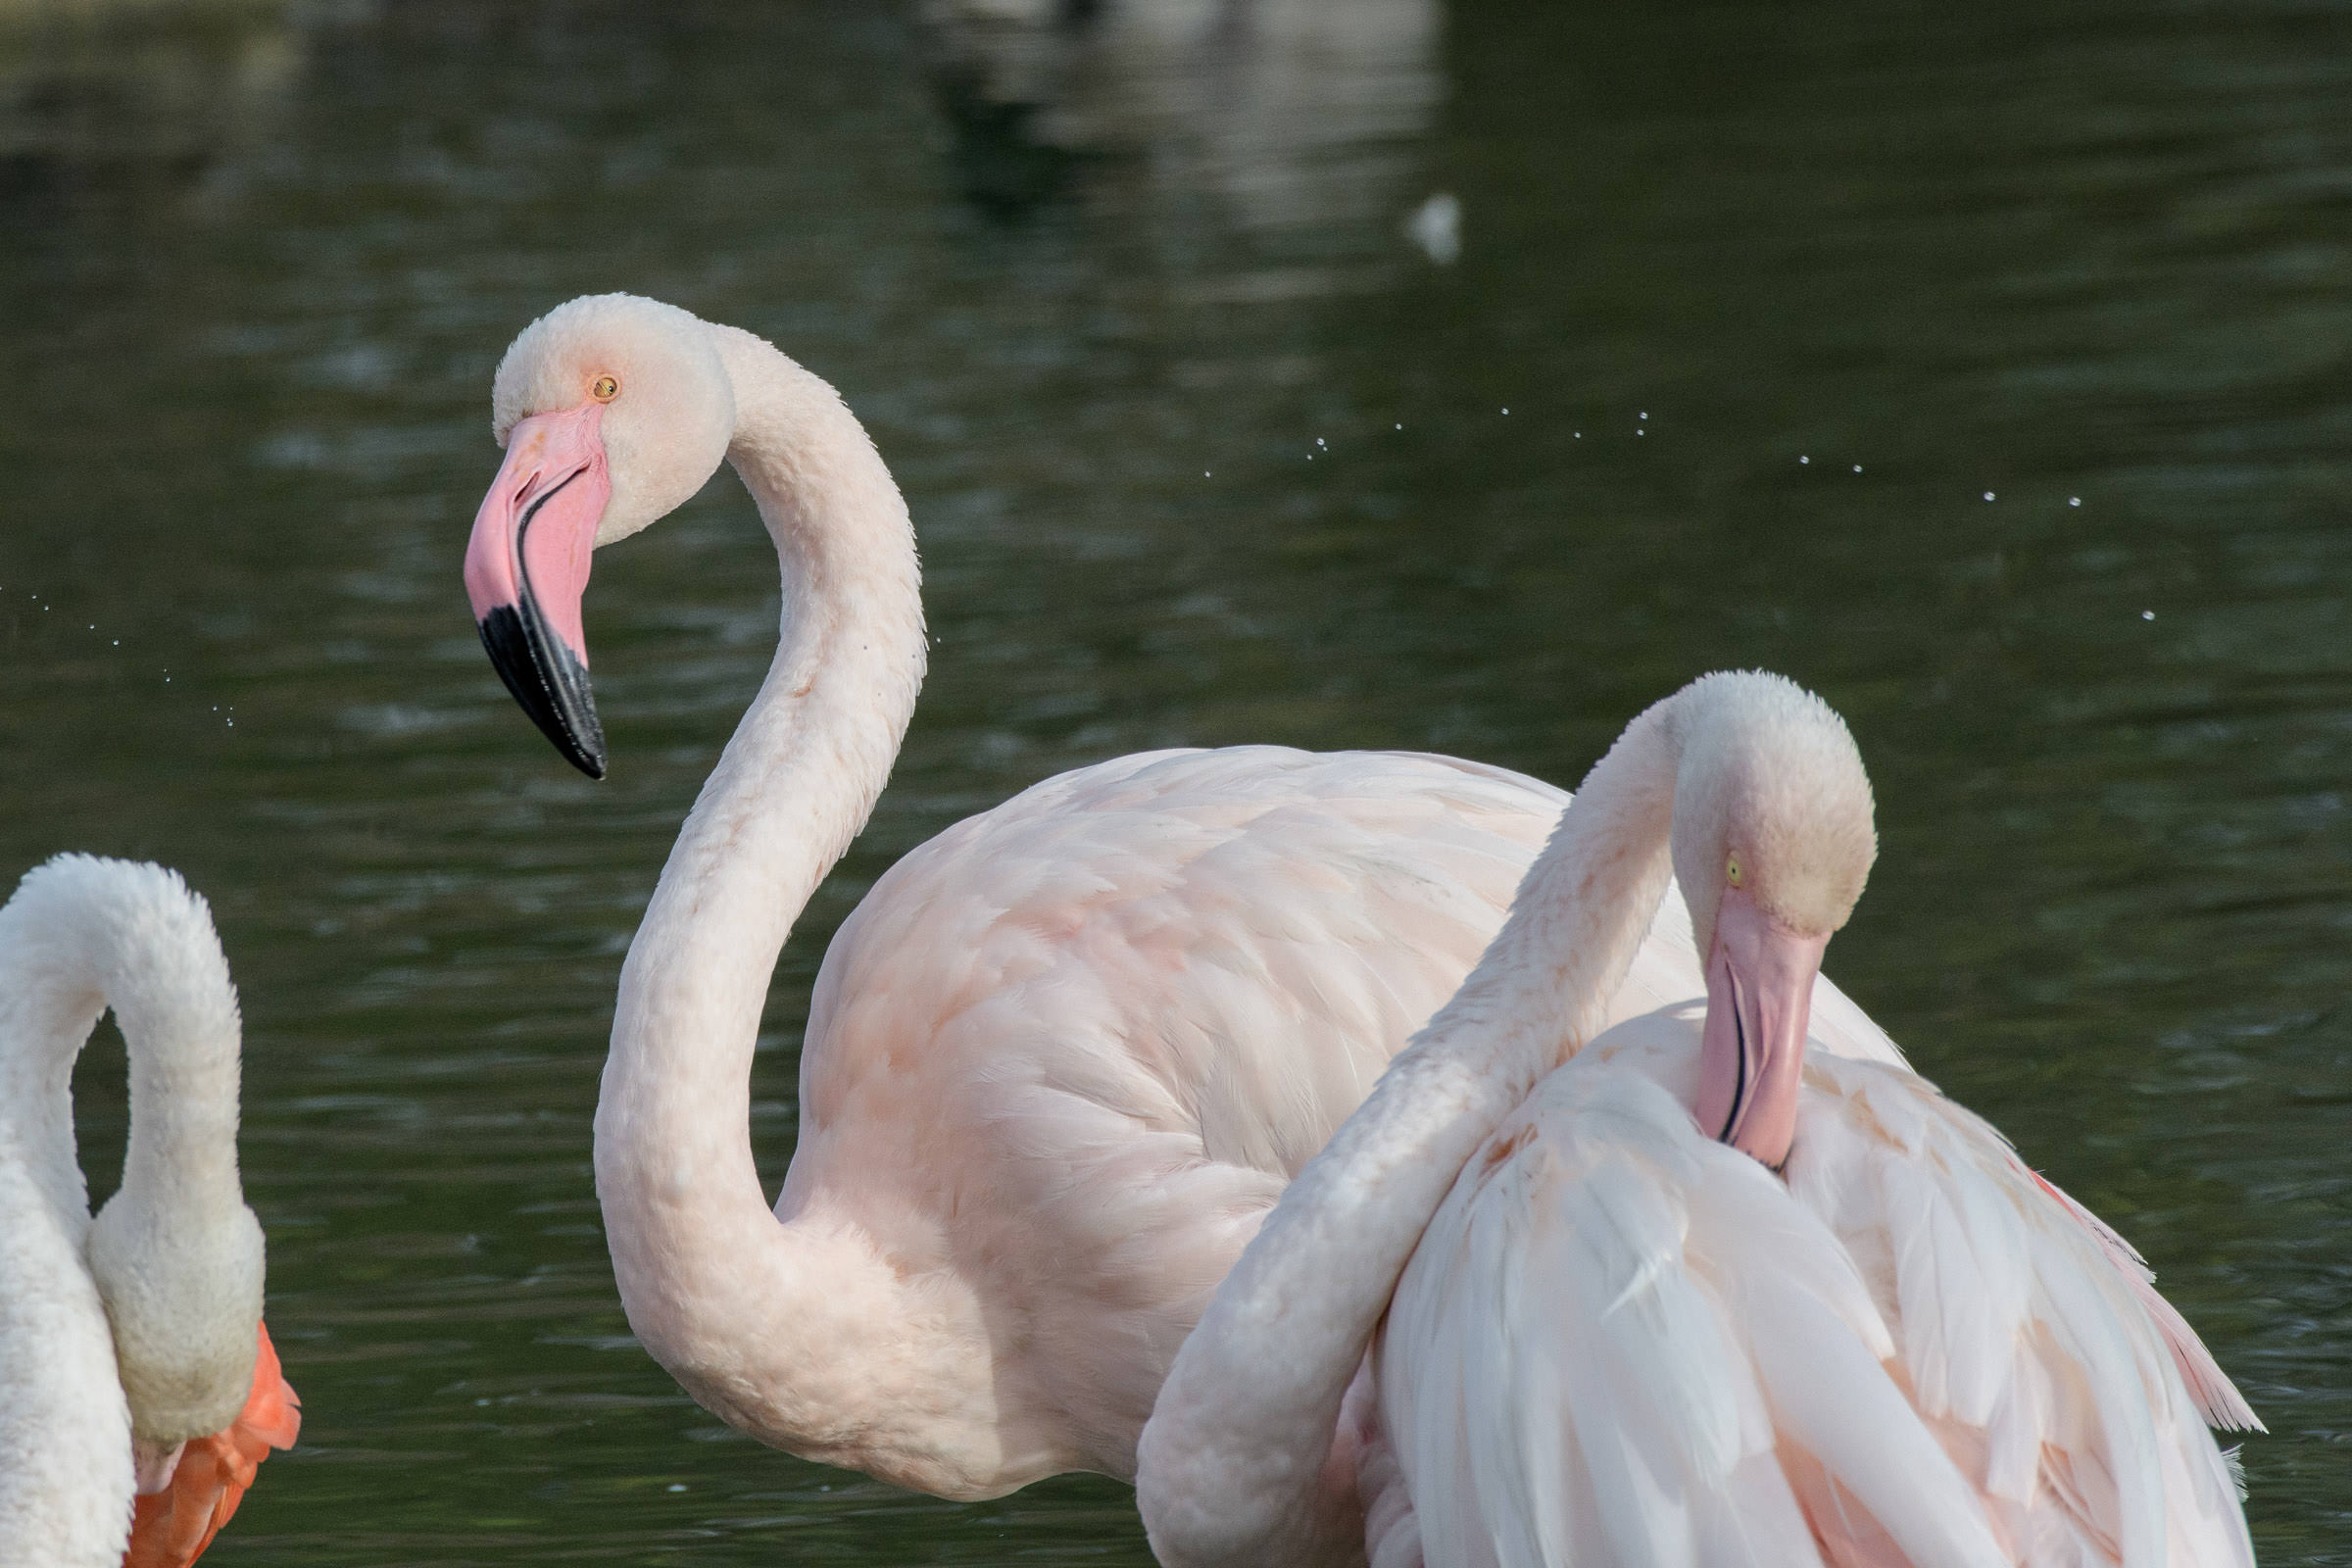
1620,1342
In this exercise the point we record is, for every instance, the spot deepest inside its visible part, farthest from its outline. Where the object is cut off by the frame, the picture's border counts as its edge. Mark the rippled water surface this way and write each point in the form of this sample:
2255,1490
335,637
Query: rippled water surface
1983,367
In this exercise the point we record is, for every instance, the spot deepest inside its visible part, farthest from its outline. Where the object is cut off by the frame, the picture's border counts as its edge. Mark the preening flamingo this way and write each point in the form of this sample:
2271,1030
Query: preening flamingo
1060,1059
1522,1314
132,1358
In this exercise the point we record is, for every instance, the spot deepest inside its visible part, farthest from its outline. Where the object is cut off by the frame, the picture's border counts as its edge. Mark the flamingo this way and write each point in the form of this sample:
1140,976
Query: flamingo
1059,1060
1681,1291
138,1387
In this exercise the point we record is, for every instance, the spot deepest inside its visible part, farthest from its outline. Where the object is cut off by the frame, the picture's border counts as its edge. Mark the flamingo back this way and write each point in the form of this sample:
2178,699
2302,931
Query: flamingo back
1065,1056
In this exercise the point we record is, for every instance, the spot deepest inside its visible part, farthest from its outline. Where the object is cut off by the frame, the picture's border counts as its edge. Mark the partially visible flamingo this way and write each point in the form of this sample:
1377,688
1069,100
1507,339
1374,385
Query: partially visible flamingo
138,1387
1522,1314
1060,1059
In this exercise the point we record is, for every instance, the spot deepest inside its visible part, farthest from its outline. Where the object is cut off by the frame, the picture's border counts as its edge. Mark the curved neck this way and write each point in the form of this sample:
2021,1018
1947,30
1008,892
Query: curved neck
176,1255
81,935
733,1303
1230,1465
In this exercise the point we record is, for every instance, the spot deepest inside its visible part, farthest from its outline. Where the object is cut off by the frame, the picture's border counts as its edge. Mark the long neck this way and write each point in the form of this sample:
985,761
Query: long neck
49,1002
176,1255
740,1308
81,935
1232,1459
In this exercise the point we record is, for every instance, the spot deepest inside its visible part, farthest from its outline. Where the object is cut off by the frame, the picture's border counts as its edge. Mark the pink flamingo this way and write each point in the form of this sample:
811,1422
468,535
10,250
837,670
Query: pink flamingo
1059,1061
1535,1304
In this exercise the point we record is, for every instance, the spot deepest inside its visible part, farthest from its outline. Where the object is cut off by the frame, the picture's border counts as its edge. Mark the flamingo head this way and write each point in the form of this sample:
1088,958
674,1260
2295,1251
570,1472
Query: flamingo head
613,410
1773,839
181,1281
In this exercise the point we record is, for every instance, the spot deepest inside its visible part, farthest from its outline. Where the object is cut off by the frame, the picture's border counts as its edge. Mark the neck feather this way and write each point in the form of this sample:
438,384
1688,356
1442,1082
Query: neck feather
735,1304
64,1494
1244,1402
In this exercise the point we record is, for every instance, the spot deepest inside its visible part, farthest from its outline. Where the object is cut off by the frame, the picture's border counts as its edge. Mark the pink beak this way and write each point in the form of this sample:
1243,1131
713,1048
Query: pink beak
1752,1053
526,569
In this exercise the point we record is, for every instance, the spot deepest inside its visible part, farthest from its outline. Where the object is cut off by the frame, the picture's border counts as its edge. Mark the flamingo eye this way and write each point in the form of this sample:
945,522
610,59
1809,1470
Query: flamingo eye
1731,870
603,389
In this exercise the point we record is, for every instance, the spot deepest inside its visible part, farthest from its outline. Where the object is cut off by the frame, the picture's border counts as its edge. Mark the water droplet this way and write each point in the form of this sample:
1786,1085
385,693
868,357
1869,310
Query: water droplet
1989,495
2147,614
1319,441
677,1486
1580,435
1506,411
1646,414
1857,468
2074,501
1400,427
1802,457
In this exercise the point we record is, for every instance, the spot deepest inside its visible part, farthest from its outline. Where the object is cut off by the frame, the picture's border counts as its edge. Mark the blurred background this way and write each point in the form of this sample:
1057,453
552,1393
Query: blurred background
1339,372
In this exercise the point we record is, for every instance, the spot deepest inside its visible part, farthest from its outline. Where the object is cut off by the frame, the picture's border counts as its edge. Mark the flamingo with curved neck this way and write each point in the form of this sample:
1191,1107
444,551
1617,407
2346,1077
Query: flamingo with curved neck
1542,1299
132,1359
1059,1060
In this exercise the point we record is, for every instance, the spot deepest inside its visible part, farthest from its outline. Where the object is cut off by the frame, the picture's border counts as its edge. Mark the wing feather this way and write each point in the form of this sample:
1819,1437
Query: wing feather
1620,1342
1561,1376
2032,1334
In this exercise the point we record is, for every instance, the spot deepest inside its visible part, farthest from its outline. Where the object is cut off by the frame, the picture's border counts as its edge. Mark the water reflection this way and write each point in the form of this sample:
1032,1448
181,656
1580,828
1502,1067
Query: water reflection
1271,118
137,100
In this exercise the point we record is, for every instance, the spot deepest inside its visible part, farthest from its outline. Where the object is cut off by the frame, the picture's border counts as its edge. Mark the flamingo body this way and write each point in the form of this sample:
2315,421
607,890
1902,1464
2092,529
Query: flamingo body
1911,1351
1690,1290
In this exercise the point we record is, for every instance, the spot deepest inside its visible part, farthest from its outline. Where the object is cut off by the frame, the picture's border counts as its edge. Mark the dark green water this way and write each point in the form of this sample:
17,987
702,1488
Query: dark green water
1100,292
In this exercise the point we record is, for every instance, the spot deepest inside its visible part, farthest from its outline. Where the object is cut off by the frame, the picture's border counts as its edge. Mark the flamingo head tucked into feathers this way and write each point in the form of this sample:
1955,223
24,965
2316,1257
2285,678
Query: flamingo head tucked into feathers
1773,838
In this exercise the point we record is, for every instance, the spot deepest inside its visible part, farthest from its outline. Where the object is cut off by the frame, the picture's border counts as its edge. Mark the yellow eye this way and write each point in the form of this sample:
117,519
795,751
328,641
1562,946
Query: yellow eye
1731,870
604,390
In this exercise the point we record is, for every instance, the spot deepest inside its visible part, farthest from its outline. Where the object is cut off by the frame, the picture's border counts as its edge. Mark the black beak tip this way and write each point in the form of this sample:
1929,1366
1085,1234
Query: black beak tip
547,681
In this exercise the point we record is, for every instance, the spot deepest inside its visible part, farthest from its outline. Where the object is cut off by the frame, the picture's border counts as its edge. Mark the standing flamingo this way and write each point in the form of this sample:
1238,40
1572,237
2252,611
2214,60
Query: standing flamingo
1522,1314
1060,1059
133,1364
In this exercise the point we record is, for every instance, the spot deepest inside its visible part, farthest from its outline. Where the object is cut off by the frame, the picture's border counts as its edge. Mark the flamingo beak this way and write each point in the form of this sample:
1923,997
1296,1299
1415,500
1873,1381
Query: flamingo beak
526,569
153,1465
1752,1050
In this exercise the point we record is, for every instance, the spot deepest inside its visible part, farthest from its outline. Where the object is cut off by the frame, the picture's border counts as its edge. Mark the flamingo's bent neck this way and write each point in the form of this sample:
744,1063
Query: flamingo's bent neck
1236,1449
142,1323
770,1324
